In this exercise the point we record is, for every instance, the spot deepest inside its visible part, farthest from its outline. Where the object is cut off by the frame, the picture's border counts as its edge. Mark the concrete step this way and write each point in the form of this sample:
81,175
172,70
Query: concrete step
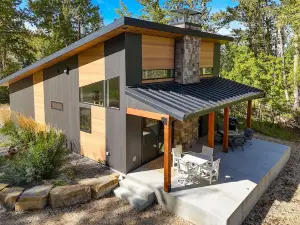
138,189
133,199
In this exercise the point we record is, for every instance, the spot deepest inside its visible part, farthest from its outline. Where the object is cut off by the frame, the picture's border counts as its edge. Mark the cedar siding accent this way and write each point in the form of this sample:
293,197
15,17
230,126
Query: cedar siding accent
157,53
91,65
93,144
206,54
38,90
92,69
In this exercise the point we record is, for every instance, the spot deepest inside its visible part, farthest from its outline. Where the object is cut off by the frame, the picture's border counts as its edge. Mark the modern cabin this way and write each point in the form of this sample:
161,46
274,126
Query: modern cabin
127,93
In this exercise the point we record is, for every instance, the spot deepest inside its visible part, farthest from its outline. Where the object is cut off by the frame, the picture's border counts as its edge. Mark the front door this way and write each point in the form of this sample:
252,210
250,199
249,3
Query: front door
203,126
151,140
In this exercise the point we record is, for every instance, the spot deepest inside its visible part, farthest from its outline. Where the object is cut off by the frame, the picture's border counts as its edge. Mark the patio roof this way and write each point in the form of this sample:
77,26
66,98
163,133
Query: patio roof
184,100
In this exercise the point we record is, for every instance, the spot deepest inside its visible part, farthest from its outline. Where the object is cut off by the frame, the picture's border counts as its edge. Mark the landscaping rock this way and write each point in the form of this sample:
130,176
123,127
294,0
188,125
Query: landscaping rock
9,196
69,195
101,186
34,198
2,186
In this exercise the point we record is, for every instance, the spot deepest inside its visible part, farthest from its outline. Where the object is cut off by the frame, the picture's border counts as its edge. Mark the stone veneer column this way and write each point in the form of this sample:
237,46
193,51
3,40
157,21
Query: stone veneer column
186,132
187,60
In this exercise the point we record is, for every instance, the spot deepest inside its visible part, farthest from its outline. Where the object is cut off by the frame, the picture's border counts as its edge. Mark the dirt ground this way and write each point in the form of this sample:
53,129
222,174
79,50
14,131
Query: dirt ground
279,205
108,211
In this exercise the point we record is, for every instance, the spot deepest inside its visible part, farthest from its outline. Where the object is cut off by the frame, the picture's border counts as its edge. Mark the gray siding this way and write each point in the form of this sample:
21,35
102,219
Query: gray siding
64,88
217,53
22,97
134,142
133,46
136,104
114,50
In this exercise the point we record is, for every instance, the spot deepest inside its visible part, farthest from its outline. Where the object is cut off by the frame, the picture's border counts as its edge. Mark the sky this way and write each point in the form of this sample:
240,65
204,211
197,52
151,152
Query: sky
107,8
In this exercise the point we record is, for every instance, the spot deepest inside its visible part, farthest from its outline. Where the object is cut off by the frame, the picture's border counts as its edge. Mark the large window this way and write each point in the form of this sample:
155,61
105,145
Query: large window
85,119
92,93
206,71
157,74
113,92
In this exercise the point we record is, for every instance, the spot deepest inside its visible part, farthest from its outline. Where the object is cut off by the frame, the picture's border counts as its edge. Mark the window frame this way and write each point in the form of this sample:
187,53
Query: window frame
206,74
172,71
90,112
104,94
107,93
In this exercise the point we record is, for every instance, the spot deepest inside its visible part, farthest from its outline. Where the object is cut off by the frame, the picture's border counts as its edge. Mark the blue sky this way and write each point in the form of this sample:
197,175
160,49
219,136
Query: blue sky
108,7
108,10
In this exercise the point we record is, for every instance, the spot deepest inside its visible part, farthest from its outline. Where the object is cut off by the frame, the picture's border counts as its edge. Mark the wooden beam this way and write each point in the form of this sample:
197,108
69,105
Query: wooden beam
249,112
146,114
225,129
167,154
211,129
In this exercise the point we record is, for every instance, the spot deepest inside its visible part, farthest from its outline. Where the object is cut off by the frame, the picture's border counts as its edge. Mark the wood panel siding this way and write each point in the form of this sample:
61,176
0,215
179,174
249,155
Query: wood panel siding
157,52
93,145
206,54
91,65
38,91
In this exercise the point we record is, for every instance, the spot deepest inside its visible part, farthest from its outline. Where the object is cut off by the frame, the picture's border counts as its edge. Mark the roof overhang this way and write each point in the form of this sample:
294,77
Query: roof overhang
122,25
182,101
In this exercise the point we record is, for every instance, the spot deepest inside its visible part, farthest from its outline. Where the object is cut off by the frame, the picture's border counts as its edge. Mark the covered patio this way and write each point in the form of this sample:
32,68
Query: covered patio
244,177
170,102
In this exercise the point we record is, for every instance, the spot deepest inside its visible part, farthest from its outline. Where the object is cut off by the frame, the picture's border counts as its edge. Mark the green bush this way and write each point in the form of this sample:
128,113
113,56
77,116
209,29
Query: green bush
41,151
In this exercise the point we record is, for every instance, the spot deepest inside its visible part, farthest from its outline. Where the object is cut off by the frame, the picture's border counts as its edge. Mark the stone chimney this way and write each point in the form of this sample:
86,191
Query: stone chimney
187,50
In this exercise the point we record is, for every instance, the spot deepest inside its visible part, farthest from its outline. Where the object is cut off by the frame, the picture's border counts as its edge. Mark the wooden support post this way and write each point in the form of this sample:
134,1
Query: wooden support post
225,129
211,129
249,112
167,154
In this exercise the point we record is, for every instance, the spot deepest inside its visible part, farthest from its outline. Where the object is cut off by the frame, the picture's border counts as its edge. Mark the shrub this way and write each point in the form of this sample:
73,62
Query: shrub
41,150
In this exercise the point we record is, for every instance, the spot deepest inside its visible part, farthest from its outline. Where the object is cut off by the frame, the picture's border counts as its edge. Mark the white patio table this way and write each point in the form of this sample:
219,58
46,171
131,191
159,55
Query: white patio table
197,158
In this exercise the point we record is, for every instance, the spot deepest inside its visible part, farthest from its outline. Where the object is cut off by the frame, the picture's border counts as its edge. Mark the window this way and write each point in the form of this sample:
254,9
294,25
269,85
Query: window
92,93
57,105
85,119
157,74
206,71
113,93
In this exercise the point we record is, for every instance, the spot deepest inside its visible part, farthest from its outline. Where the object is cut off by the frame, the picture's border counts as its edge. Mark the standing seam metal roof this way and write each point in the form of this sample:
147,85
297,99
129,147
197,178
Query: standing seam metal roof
184,100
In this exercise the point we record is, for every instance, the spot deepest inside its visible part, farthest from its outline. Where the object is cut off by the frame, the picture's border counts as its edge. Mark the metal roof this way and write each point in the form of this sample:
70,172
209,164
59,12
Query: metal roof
120,23
184,100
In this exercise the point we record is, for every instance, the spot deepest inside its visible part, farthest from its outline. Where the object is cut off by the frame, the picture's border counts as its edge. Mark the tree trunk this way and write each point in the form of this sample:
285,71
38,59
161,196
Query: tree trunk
296,65
281,38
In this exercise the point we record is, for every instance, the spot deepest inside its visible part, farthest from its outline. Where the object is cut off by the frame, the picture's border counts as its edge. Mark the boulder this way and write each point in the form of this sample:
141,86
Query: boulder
34,198
101,186
69,195
9,196
2,186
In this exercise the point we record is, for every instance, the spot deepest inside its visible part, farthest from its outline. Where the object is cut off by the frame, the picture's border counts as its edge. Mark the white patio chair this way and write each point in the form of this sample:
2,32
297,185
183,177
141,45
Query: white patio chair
188,170
176,155
209,171
208,151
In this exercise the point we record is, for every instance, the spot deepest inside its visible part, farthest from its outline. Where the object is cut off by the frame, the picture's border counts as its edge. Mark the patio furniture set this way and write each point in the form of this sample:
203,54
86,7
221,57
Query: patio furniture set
235,139
193,164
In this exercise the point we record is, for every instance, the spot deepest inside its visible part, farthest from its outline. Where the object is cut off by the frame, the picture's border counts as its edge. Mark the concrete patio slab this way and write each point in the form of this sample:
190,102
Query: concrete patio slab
244,177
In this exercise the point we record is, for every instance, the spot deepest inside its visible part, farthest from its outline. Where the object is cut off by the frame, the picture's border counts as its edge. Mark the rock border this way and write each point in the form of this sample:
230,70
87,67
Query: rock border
38,197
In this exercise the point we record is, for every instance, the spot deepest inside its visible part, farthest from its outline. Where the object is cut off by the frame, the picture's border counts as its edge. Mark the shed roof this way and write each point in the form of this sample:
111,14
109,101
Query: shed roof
122,25
184,100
